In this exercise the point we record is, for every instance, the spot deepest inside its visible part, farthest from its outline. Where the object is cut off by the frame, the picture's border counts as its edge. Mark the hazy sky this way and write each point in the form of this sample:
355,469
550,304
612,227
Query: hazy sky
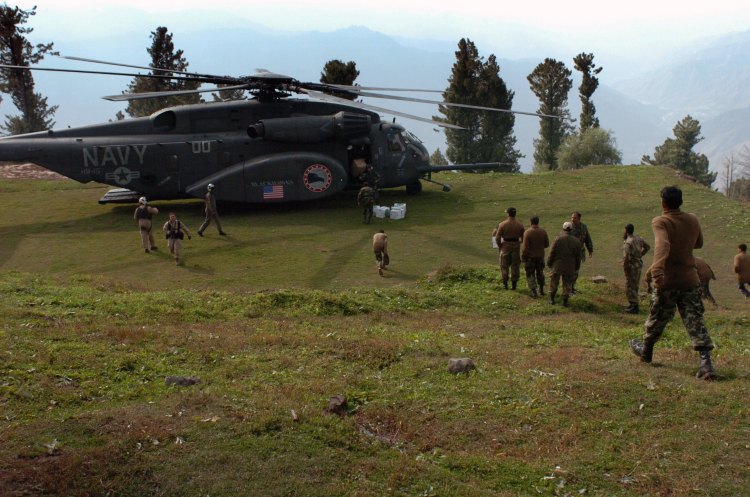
601,25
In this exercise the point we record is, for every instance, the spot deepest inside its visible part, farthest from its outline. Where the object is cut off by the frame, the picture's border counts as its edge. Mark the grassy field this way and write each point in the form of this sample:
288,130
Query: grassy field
288,311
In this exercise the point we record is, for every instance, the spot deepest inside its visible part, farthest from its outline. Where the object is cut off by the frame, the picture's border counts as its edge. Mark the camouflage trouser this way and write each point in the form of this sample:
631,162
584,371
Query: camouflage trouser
367,208
743,290
567,280
510,262
690,305
632,279
534,272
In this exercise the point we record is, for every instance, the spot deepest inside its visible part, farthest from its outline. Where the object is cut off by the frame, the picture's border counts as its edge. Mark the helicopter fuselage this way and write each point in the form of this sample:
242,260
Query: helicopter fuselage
254,151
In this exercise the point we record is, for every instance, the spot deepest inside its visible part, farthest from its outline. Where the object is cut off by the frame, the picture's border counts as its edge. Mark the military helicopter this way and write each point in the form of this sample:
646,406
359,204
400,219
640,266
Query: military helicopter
268,149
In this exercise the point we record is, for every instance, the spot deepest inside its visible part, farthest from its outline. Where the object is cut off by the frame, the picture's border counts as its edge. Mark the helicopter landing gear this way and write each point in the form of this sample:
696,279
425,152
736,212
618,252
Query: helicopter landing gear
446,187
414,188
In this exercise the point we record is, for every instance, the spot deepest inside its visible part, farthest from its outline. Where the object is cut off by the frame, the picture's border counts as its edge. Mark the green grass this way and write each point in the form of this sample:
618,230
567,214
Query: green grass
289,311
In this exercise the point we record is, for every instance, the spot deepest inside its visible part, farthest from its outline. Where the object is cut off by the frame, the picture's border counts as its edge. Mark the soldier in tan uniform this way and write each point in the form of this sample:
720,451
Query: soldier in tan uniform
535,240
508,236
212,213
742,269
633,249
143,215
175,232
565,260
676,282
380,248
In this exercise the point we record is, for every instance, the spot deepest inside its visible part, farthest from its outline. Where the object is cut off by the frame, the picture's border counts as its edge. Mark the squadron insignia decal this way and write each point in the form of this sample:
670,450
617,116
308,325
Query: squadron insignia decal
317,178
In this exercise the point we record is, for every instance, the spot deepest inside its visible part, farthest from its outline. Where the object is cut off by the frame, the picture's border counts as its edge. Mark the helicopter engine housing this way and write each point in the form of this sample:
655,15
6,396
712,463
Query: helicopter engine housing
312,129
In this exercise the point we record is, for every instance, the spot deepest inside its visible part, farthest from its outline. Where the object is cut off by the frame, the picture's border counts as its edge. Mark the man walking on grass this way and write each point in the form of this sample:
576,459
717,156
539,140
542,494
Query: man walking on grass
676,282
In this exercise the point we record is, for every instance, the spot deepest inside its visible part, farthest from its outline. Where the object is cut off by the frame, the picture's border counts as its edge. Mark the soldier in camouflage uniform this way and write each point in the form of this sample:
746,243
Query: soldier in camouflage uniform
633,249
366,199
581,231
508,236
676,282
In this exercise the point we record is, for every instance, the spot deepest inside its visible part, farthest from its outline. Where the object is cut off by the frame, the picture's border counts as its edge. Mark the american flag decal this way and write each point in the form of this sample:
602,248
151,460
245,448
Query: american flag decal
273,192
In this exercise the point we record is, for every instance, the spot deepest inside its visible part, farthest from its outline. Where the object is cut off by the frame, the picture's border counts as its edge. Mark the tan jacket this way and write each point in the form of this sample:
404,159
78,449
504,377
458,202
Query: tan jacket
535,240
676,234
565,254
742,267
380,242
508,235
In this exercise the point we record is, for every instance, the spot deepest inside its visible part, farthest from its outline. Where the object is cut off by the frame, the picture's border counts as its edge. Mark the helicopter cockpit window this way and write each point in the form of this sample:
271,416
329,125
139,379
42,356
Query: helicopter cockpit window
410,138
395,143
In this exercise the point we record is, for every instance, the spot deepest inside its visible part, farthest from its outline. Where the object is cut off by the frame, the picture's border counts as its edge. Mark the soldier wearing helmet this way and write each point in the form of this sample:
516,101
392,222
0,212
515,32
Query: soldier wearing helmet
212,214
143,215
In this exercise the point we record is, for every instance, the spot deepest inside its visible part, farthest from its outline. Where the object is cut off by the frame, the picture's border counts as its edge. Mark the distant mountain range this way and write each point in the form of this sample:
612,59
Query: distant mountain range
709,80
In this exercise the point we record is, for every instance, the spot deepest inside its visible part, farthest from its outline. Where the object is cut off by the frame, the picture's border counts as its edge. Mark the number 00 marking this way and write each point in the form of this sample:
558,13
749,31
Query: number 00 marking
203,147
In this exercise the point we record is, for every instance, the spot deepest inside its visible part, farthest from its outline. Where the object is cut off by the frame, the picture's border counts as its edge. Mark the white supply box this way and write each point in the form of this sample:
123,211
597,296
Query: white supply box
380,211
400,206
397,213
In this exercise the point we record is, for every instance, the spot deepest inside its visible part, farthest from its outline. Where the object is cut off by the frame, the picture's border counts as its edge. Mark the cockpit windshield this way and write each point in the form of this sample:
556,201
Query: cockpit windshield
410,138
395,142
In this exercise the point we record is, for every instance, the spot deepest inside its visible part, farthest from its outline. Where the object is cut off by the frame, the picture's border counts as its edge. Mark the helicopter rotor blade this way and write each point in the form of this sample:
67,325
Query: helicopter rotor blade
110,73
450,104
160,94
172,71
330,98
356,88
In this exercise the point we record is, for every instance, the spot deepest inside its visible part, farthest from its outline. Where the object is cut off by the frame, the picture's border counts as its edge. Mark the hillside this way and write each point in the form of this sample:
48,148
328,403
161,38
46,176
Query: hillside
271,322
325,247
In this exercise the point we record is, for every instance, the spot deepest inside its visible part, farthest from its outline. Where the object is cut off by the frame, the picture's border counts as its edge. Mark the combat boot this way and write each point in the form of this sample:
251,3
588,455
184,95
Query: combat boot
645,351
565,301
633,309
505,285
706,371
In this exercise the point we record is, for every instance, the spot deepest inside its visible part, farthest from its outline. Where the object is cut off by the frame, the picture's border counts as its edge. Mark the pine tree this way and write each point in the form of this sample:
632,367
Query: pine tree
551,82
678,152
438,159
163,56
336,72
15,49
589,83
488,136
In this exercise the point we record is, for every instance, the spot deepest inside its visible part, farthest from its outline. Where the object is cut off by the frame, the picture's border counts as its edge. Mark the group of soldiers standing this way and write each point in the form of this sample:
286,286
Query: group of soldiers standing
517,245
677,280
174,229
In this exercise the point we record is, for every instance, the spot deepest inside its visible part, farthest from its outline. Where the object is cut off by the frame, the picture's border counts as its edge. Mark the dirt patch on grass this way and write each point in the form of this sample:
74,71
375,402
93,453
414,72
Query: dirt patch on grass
14,170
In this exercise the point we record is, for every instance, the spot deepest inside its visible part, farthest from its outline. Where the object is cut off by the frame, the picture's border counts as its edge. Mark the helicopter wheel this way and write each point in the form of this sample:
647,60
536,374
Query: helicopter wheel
414,188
